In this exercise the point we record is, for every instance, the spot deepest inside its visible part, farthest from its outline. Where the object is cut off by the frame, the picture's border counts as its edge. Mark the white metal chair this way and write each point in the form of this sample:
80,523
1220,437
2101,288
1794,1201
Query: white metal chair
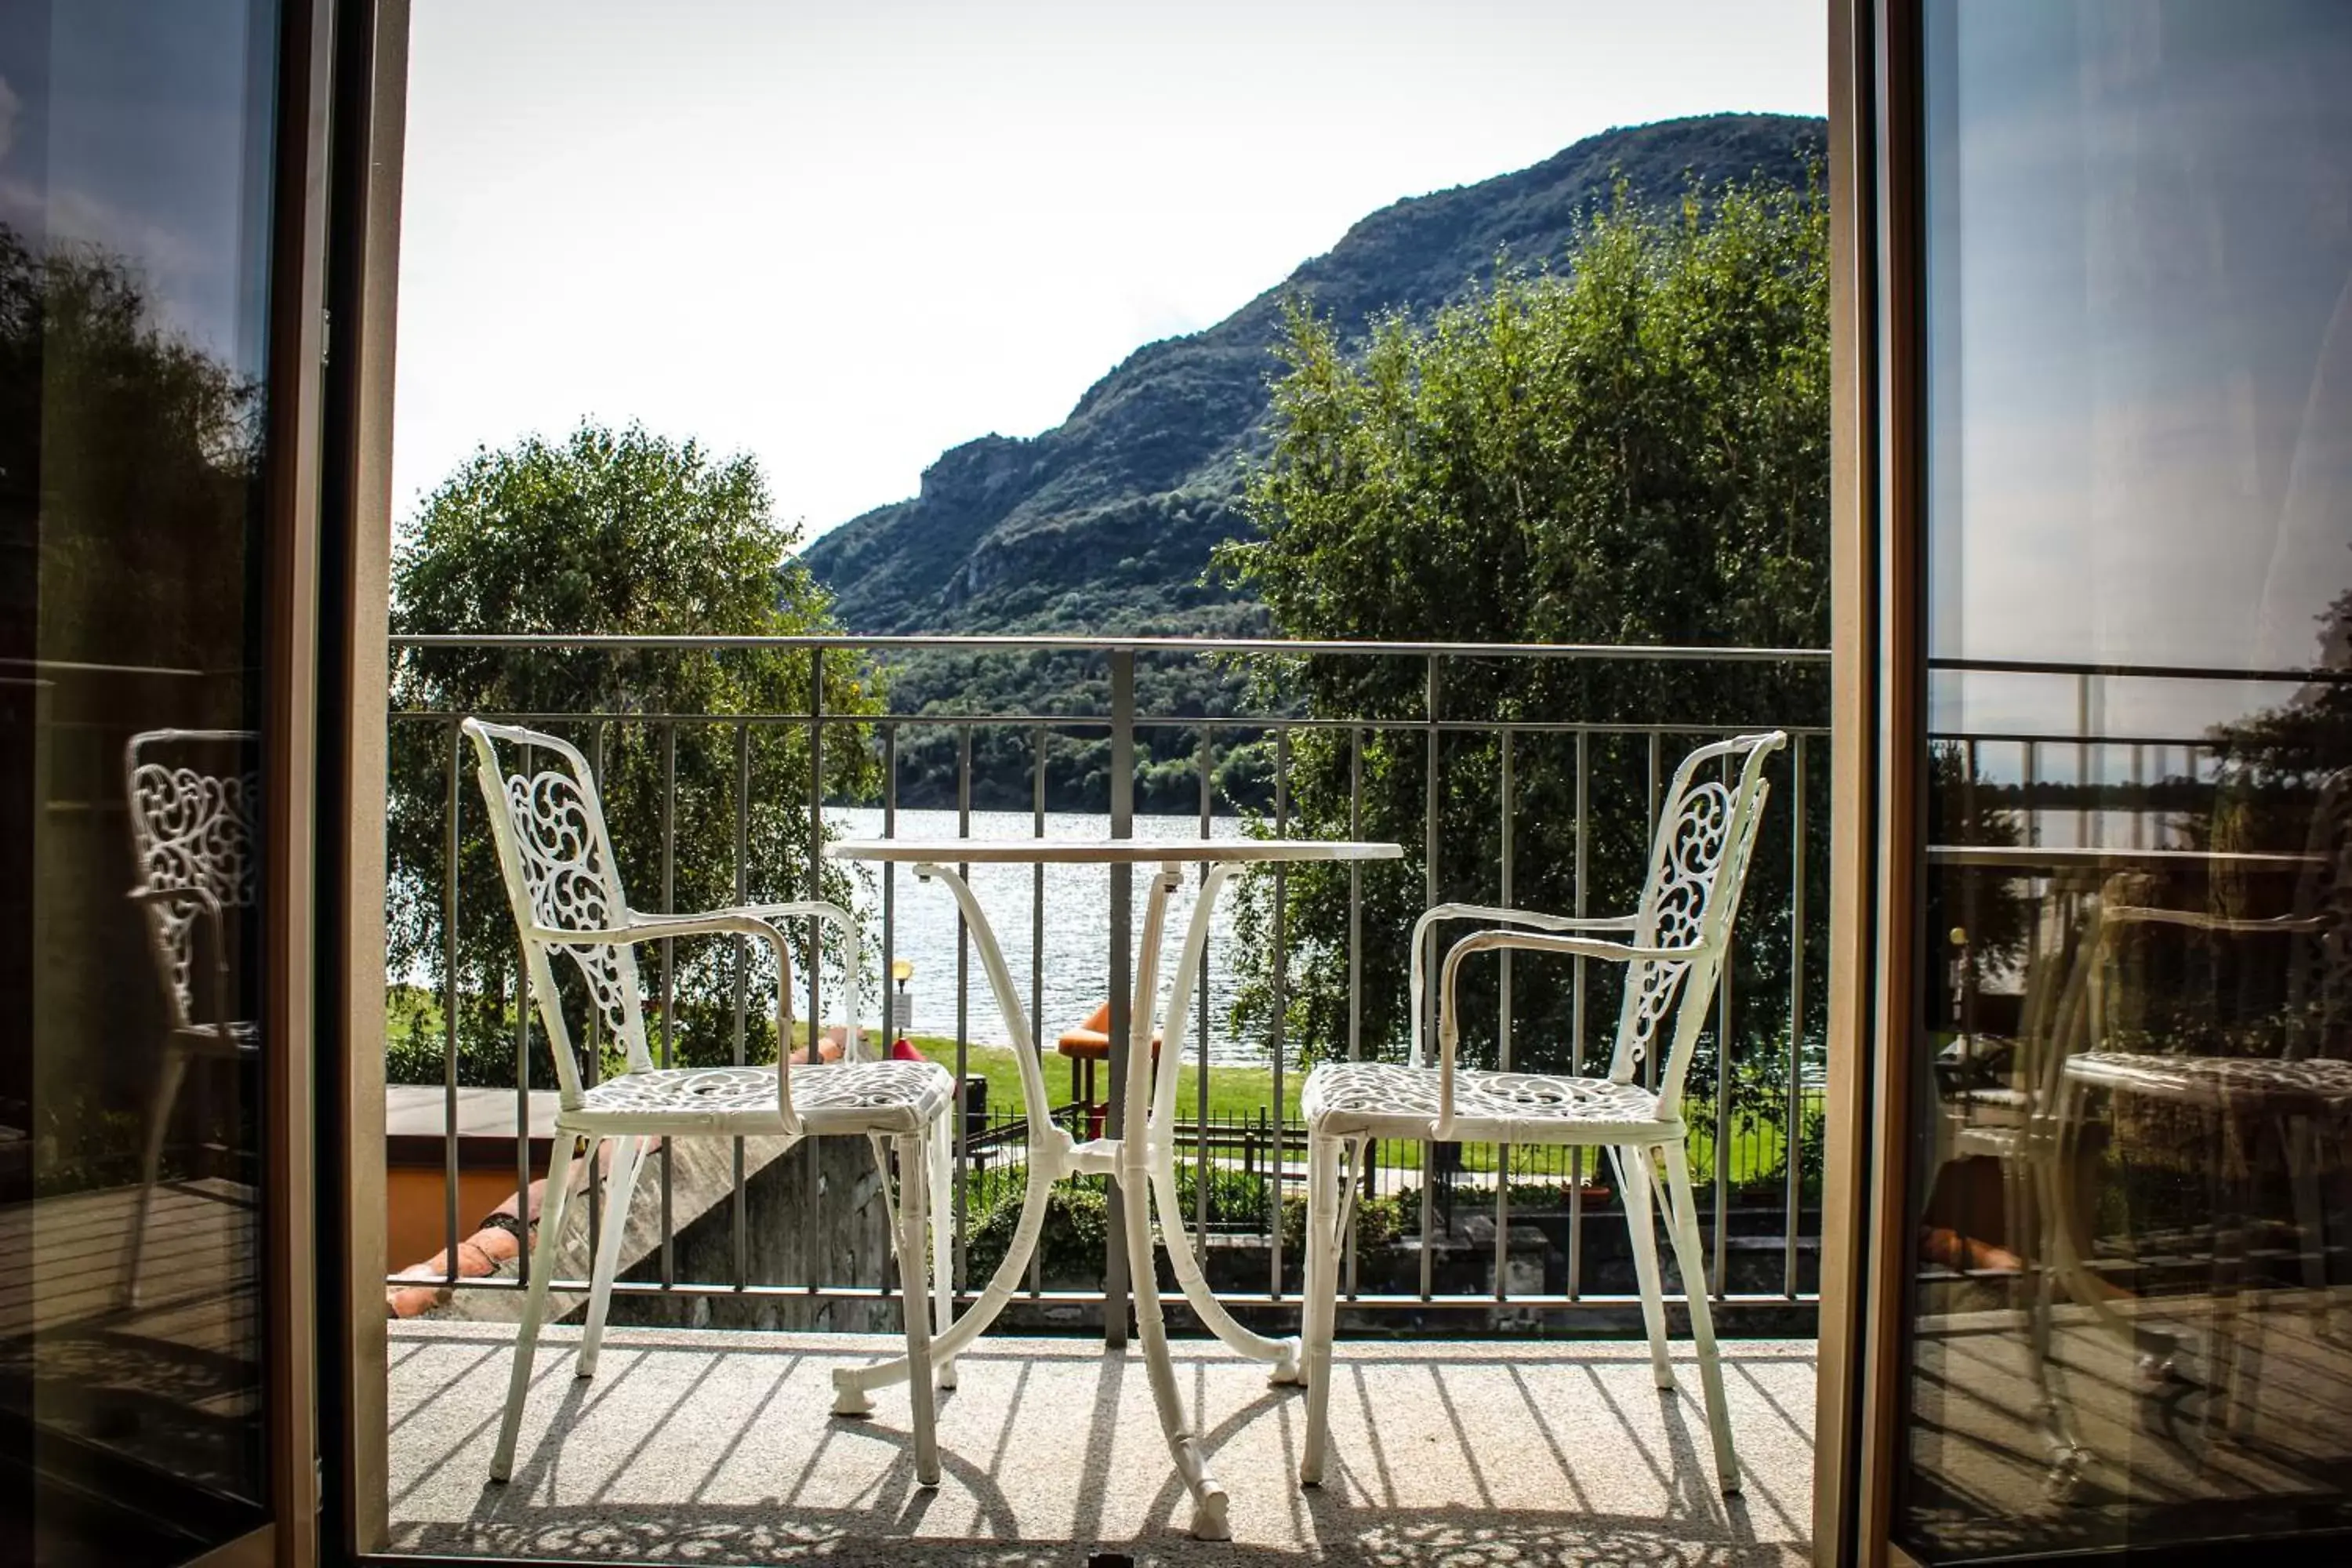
2299,1098
556,856
192,832
1698,864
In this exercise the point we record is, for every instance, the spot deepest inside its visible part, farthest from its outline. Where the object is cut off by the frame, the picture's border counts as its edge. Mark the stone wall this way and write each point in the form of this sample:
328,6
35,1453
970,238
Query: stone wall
811,1212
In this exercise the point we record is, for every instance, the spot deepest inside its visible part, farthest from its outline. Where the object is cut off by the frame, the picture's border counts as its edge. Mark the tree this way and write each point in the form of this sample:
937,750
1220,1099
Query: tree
129,460
613,532
129,511
1635,451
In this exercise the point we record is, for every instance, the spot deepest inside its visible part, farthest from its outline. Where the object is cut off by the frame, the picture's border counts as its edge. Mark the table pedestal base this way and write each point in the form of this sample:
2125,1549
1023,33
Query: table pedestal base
1143,1159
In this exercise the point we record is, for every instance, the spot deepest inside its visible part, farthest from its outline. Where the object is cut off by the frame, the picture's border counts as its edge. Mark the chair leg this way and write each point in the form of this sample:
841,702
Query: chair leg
557,1194
628,1160
914,1182
150,1166
1693,1263
2310,1214
1320,1310
943,1237
1633,1167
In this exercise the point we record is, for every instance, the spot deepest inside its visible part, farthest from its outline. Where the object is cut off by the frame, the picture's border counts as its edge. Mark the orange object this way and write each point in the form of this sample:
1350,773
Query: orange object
1090,1041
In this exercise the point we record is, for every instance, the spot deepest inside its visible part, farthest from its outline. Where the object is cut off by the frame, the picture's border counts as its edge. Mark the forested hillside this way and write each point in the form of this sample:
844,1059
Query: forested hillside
1106,523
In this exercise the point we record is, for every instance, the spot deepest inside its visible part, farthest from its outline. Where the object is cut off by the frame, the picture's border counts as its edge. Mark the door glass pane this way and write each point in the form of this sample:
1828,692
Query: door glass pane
134,207
2130,1299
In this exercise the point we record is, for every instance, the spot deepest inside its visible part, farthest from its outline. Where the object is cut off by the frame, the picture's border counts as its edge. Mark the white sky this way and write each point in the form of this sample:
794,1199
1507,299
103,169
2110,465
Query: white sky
845,237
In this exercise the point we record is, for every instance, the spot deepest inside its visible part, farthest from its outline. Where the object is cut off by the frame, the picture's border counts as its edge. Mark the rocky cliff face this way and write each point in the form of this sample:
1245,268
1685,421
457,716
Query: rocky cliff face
1106,521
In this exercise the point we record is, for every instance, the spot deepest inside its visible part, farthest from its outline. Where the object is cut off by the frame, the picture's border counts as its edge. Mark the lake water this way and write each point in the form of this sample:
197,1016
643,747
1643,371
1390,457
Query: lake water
1077,937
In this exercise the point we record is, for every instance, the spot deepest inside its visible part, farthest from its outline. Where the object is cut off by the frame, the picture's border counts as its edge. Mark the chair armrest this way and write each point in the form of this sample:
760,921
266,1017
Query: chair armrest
2197,920
852,960
1489,912
1449,1029
716,922
758,921
656,928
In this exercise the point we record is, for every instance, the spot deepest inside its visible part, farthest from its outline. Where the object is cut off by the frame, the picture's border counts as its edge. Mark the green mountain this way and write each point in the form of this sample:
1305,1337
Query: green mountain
1104,524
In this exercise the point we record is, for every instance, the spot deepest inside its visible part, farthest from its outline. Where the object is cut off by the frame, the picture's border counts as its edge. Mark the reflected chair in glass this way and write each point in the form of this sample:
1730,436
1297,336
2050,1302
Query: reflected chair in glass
1677,942
2294,1100
192,839
564,889
2007,1116
2034,1127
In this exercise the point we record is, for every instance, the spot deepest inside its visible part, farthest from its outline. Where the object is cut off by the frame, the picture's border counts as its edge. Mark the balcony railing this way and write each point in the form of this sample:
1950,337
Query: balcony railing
1470,1232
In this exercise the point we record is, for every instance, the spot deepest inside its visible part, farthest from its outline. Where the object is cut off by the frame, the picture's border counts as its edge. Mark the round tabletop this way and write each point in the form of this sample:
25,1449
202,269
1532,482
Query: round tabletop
1105,851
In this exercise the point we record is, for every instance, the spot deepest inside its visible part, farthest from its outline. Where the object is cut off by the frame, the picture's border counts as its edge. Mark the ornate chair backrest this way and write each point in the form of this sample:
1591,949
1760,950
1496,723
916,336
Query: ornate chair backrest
556,858
1698,866
2317,990
194,832
2065,953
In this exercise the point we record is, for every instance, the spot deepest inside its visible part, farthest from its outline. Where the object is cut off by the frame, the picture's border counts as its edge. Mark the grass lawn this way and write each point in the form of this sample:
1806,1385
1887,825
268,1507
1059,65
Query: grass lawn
1237,1094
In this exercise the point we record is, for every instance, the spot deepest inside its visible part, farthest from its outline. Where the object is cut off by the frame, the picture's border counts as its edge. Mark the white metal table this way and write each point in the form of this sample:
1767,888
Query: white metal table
1144,1159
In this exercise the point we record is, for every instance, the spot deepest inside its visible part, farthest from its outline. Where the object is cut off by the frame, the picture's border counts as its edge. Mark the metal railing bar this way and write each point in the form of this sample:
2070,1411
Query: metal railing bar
1723,1132
963,1018
593,1068
816,859
1657,778
1504,808
1116,1283
2138,781
2028,775
522,1090
2263,675
1792,1140
887,978
737,1219
2019,737
1278,1045
1588,1304
1201,1077
669,995
1577,996
1038,945
1355,966
450,1004
1239,724
1428,829
1666,653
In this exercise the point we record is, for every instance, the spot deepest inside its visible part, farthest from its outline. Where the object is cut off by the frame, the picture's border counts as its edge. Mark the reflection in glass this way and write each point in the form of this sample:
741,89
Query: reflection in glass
134,202
2130,1309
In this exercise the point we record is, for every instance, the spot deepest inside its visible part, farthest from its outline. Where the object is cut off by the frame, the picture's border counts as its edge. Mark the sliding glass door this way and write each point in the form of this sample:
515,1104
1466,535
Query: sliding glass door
2124,1301
138,617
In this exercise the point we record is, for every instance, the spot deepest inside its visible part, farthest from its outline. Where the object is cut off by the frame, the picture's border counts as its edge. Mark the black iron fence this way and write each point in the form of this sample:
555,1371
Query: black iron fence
1512,774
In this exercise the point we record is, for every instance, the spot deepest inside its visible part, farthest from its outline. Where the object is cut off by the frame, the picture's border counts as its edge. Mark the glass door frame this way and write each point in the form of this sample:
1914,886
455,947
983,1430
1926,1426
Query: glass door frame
1877,684
292,860
334,232
1878,638
364,75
